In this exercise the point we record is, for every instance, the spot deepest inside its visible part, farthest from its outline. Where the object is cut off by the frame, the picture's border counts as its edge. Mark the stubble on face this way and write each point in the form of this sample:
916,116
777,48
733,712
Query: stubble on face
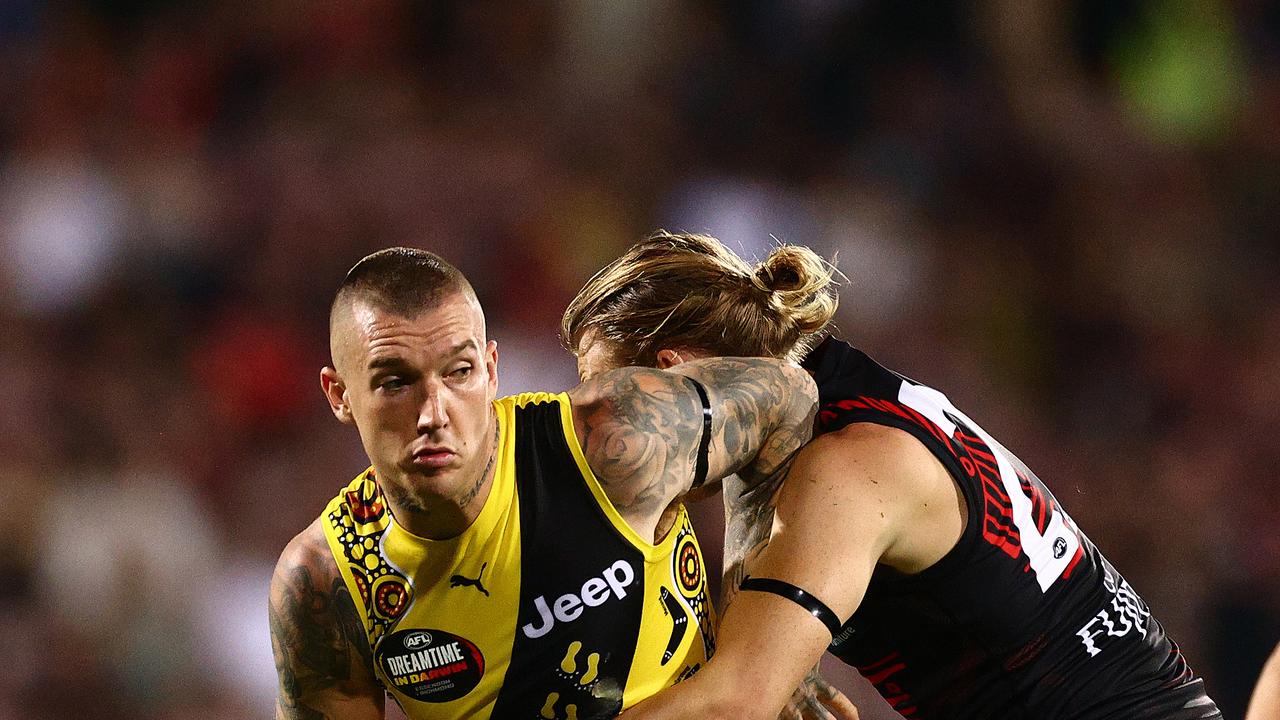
469,418
402,498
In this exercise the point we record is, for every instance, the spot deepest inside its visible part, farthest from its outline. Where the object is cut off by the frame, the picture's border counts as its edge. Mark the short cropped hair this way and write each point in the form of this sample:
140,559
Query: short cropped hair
685,291
401,280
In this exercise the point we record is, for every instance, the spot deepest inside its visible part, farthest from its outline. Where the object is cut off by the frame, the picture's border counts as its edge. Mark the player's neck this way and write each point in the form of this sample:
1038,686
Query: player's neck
447,518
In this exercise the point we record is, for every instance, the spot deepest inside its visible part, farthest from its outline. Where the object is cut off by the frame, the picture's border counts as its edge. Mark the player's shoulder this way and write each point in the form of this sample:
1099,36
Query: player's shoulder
872,452
861,438
308,552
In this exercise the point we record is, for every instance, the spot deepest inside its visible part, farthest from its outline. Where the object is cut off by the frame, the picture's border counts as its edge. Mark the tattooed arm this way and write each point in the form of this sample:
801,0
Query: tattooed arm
640,428
748,523
322,655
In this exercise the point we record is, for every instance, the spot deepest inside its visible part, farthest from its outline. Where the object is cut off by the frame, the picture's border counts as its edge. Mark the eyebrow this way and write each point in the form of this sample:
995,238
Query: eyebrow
394,361
386,361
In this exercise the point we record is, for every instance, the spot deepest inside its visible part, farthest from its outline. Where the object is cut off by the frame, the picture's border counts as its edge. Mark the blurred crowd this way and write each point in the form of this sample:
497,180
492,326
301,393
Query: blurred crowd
1063,213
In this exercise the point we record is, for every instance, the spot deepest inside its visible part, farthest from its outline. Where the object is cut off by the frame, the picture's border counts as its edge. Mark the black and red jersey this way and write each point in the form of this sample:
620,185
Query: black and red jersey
1023,618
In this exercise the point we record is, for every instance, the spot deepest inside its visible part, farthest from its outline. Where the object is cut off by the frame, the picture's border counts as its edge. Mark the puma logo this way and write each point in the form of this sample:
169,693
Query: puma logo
459,581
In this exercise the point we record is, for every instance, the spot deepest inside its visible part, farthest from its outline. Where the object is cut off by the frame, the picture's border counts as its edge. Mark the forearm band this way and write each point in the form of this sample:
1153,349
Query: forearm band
811,604
704,445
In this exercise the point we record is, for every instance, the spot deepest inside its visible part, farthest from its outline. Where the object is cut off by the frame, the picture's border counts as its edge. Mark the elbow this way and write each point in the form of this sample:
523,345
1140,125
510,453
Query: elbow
804,392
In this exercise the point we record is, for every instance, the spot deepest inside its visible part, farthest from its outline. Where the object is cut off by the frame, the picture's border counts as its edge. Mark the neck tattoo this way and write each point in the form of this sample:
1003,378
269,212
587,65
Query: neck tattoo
493,456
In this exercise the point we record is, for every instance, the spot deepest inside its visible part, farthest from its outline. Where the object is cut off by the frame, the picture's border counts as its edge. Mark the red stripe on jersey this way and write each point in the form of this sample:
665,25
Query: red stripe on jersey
879,677
896,699
976,459
1075,560
864,669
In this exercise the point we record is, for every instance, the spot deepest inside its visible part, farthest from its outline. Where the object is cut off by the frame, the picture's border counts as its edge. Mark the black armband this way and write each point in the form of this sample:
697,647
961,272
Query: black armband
704,445
811,604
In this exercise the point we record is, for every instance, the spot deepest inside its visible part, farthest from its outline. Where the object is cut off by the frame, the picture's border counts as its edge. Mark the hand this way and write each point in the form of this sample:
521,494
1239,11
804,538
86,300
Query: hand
815,699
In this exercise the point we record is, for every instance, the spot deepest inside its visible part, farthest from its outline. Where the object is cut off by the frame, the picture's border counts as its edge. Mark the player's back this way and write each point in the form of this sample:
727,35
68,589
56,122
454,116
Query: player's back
1023,618
548,606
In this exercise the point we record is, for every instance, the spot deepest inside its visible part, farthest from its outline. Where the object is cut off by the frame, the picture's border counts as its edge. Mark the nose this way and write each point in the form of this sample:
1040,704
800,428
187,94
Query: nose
431,414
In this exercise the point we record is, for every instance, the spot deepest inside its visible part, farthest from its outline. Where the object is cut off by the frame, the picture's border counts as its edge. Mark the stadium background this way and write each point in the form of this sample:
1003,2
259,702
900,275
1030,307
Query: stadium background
1063,213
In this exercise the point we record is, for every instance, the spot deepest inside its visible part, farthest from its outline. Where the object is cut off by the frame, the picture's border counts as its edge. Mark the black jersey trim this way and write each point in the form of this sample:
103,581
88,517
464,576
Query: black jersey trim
811,604
704,444
559,519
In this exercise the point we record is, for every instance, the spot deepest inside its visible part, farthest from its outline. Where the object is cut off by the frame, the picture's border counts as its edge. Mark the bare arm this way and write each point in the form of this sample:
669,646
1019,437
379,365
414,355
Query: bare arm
748,527
640,428
839,513
322,655
1265,704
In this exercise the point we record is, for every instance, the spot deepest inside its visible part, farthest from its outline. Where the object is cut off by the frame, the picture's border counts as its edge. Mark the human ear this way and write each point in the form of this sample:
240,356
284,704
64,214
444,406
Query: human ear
491,364
335,391
668,358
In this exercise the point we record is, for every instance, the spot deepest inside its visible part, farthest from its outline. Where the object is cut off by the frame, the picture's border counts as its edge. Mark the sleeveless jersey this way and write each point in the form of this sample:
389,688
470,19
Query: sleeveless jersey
549,606
1023,618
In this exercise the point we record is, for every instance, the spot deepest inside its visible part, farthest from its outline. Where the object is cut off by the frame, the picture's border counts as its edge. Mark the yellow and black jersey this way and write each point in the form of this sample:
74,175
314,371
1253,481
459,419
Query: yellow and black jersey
548,606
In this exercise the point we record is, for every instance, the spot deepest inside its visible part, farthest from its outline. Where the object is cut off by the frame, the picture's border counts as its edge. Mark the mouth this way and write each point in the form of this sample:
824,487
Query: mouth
432,458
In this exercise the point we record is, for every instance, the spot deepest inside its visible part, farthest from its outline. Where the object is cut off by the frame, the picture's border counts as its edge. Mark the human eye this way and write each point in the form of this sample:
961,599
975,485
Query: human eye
462,372
392,383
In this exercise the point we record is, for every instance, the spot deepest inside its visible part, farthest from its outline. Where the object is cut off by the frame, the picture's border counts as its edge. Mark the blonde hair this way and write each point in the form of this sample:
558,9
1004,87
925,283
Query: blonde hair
684,291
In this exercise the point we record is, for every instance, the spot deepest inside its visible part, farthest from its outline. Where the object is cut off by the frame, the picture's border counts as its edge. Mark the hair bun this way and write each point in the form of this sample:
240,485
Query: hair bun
801,286
780,272
682,290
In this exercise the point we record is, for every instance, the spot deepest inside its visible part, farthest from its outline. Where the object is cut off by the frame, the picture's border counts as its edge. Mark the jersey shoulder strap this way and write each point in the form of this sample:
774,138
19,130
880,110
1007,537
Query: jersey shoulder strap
354,523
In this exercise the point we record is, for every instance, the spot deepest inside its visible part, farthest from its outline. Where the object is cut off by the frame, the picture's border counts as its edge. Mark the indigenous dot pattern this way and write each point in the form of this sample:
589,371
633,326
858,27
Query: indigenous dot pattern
359,524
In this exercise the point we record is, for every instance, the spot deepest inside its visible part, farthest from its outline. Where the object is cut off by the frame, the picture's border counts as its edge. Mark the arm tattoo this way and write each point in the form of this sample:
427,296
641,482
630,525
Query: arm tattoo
748,519
642,427
809,698
636,436
349,620
316,637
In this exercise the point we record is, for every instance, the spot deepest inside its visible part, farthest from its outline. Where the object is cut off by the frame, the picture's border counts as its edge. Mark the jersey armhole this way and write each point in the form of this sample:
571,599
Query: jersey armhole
960,552
652,551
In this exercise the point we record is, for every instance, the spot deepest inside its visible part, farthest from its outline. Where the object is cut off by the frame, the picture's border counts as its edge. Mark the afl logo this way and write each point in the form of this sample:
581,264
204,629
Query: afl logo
688,566
1059,548
415,640
430,665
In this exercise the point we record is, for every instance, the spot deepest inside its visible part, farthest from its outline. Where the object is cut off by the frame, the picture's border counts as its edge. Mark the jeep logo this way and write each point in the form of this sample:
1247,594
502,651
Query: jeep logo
595,592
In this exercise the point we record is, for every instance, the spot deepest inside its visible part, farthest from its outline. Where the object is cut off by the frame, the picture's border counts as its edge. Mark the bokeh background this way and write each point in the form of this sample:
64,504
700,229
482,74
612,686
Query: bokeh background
1063,213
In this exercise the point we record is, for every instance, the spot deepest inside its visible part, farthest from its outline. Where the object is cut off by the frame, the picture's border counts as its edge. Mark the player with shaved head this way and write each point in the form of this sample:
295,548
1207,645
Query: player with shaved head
517,557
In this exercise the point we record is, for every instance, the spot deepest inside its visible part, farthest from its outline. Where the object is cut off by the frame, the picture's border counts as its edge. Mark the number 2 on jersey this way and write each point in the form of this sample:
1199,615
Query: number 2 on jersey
1050,546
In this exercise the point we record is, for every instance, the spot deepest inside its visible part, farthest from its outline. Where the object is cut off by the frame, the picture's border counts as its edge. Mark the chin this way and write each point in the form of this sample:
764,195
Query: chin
427,483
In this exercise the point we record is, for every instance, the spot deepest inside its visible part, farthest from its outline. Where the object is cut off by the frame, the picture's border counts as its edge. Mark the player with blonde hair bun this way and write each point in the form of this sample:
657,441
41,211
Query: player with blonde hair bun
905,539
675,296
